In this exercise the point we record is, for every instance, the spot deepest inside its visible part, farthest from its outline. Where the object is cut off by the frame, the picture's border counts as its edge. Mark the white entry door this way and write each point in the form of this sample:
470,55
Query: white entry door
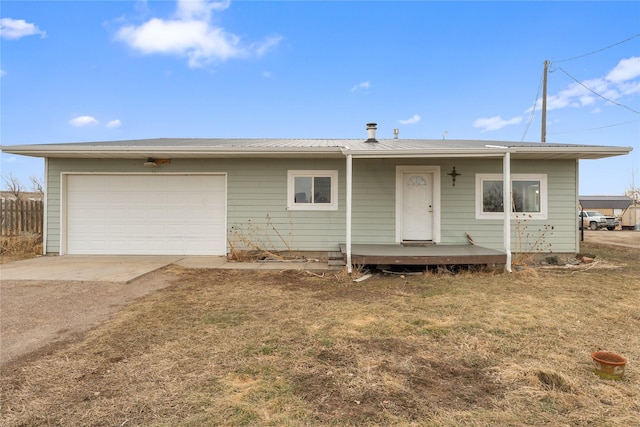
417,206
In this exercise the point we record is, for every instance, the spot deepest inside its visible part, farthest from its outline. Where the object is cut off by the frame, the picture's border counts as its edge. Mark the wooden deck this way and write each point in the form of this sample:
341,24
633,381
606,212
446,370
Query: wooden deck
423,255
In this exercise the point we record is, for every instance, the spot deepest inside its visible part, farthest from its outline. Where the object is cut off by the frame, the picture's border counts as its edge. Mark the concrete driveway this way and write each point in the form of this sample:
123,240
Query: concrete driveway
95,268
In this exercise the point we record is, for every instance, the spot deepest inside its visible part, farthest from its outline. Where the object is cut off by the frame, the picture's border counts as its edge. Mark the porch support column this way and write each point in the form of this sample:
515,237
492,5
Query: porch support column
45,220
506,194
348,219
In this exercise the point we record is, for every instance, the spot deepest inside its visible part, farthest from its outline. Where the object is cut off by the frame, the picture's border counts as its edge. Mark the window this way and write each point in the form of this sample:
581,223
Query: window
312,190
529,196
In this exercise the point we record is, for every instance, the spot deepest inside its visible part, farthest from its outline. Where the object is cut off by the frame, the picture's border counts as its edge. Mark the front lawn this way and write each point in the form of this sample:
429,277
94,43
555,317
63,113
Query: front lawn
290,348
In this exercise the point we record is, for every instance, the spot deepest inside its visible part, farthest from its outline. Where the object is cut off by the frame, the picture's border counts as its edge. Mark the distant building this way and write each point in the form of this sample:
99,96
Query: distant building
608,205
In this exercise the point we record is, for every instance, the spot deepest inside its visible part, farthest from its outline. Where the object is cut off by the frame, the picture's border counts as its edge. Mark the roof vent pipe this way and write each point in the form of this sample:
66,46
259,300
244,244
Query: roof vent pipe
395,133
371,132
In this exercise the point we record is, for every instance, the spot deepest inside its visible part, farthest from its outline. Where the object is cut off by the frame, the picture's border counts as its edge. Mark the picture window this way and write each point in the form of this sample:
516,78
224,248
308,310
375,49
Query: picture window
529,196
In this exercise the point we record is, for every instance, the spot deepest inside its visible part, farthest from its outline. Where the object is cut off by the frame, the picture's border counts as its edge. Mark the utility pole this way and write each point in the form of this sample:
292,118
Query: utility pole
543,137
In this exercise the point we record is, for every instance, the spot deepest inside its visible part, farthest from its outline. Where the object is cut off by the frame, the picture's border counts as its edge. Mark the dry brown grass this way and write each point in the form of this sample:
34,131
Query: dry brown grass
20,247
289,348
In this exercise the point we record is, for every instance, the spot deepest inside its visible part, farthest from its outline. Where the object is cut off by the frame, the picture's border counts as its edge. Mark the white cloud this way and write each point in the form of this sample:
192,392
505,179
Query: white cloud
495,123
83,121
265,46
410,121
191,34
2,72
364,86
114,124
14,29
627,69
199,9
629,88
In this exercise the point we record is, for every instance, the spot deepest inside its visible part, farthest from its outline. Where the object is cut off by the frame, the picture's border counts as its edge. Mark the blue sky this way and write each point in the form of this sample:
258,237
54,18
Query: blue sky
109,70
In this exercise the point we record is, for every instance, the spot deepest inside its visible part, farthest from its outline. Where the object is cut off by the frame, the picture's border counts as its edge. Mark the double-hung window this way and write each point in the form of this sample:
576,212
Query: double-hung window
312,190
528,196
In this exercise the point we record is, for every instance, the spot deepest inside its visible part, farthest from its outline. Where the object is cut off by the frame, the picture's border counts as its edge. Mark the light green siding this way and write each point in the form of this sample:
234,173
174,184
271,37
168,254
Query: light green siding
257,188
374,201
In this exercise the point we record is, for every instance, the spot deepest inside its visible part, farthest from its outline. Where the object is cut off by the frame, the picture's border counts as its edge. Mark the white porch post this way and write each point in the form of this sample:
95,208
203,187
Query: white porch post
348,231
45,213
506,194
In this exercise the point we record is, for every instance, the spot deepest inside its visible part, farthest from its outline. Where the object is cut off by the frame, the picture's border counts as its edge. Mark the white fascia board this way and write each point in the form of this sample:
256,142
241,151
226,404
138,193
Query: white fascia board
397,154
610,151
517,152
130,152
123,151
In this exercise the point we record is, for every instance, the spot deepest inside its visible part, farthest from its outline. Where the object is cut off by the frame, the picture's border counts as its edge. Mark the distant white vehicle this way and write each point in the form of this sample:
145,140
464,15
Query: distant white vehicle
596,220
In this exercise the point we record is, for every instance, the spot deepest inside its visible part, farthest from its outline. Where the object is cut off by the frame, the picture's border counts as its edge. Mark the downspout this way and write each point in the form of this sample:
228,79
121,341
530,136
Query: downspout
506,194
45,207
348,219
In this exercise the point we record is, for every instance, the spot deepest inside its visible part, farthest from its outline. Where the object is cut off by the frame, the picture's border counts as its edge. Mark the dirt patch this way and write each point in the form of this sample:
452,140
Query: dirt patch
399,378
40,315
628,239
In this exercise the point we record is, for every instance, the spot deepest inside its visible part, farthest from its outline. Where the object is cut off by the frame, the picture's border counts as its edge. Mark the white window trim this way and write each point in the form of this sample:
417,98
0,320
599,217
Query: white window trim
544,196
292,205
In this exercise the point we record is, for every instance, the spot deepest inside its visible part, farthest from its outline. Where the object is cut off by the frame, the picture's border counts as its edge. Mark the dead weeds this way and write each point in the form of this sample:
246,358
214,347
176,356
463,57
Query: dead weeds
15,248
239,348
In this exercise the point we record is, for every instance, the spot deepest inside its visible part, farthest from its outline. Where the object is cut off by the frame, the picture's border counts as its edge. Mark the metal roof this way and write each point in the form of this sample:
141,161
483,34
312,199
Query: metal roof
601,202
313,148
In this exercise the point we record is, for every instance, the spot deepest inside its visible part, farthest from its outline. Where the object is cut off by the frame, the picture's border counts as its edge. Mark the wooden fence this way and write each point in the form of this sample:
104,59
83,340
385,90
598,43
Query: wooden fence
22,217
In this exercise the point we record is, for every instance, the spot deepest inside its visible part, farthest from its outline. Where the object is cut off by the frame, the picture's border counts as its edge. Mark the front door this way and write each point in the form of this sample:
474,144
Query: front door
417,206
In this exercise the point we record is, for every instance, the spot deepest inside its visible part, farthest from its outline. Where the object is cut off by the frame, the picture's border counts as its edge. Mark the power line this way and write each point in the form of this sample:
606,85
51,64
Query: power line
599,50
533,109
530,119
596,93
613,125
596,128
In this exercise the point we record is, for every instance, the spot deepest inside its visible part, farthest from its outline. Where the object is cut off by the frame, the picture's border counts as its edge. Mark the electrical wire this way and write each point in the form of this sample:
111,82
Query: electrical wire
533,109
599,50
596,93
614,125
597,128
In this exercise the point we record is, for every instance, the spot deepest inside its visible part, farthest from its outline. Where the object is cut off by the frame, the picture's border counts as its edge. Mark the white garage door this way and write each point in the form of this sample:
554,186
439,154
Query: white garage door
146,214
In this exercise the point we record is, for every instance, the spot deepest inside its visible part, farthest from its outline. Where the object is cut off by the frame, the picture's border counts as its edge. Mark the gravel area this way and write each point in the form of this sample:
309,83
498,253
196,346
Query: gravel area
37,315
626,238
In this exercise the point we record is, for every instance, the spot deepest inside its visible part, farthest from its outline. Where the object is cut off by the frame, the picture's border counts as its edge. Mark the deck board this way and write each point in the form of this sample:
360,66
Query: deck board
396,254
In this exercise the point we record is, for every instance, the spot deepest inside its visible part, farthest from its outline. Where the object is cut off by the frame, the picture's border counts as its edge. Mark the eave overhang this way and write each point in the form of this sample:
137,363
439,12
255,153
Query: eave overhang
111,151
181,152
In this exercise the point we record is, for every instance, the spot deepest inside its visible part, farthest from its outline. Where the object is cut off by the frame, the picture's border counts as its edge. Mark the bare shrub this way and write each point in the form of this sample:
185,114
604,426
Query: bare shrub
530,243
24,246
253,241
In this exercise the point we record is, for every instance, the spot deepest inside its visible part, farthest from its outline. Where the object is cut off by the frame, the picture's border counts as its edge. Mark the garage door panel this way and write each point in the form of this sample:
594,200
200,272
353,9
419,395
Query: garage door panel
146,214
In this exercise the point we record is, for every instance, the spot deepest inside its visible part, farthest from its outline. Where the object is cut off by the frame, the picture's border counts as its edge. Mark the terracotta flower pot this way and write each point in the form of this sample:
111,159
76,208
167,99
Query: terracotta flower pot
608,365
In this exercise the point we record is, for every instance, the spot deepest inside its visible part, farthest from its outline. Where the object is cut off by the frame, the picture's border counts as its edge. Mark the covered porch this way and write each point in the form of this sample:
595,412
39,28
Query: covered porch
427,254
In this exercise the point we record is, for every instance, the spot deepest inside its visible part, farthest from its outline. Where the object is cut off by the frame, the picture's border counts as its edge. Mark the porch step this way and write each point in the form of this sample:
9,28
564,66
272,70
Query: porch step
335,259
417,243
